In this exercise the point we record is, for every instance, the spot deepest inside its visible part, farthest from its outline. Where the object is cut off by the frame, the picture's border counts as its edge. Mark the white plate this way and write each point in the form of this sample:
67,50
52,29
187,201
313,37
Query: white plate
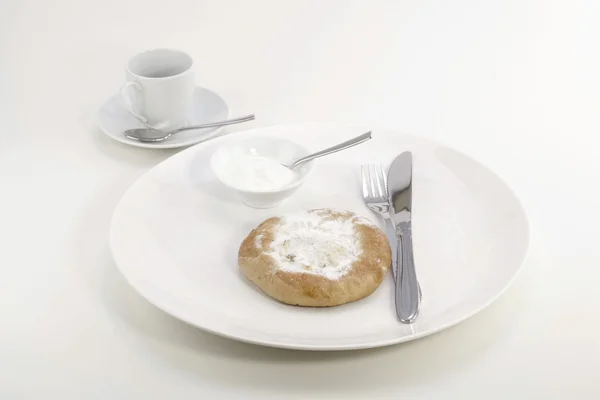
175,237
207,106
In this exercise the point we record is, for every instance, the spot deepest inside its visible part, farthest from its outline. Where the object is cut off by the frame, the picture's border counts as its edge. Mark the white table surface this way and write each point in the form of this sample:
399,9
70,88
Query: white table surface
514,83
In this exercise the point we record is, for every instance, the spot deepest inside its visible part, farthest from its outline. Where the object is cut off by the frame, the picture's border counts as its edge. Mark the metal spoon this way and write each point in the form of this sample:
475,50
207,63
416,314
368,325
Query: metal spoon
155,135
334,149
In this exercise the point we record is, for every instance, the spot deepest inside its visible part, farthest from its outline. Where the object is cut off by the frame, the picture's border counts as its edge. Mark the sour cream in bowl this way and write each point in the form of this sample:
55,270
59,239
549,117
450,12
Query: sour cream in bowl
253,167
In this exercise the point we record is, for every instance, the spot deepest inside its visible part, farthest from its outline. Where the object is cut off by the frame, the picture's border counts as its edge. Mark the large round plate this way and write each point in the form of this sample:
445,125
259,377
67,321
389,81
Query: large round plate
175,237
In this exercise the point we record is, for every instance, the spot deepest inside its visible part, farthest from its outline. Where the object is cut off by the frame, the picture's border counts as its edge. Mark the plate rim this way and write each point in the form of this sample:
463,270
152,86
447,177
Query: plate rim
214,132
276,343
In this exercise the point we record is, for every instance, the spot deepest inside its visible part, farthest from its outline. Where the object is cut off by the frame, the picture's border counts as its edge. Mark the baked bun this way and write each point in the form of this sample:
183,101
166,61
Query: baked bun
318,258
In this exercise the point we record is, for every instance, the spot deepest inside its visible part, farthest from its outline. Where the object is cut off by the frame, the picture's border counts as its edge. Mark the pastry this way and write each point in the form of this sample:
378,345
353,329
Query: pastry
317,258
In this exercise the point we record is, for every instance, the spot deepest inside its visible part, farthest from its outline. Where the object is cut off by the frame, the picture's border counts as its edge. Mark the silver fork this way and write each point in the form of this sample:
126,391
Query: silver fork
375,194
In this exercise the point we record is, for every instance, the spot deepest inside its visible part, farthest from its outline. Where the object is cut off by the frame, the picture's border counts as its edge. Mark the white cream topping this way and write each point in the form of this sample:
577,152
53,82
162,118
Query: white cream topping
312,243
258,173
258,241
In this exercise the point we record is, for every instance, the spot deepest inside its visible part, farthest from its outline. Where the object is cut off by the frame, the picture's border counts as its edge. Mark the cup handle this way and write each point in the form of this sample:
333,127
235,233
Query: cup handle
128,103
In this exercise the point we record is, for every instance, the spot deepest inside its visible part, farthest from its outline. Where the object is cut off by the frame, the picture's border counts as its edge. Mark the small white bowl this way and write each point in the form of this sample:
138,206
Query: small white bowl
282,150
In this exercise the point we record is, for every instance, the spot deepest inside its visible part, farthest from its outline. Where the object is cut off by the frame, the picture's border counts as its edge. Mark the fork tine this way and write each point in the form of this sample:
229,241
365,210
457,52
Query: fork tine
373,180
379,181
364,180
384,180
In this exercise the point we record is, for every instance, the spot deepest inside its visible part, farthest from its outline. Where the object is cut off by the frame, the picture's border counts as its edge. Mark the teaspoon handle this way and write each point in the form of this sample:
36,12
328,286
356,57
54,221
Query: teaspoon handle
217,123
342,146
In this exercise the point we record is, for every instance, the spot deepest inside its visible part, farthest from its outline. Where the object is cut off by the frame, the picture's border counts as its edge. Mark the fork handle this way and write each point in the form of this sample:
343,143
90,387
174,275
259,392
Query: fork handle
407,287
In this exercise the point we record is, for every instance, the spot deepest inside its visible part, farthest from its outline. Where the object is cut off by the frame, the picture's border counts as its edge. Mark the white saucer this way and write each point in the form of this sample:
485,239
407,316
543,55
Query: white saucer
176,232
207,106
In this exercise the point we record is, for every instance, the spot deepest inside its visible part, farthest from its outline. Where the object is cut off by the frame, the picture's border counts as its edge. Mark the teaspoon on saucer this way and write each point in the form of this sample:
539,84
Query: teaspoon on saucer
155,135
334,149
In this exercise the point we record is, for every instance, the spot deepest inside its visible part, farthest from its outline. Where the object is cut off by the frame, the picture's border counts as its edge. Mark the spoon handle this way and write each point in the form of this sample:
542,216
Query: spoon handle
334,149
218,123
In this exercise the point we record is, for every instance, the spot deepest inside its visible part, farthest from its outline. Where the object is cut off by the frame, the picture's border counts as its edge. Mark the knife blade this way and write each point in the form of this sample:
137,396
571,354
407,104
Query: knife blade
400,197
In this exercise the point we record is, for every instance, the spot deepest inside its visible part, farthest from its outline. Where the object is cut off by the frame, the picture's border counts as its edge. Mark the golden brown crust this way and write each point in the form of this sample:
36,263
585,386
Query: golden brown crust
307,289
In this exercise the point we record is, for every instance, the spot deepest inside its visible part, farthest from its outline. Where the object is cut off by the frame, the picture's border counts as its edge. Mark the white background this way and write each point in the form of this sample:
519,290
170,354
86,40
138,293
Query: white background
514,83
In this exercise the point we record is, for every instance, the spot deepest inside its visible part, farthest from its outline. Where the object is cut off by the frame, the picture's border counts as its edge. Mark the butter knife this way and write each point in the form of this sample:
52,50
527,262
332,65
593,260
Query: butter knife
400,197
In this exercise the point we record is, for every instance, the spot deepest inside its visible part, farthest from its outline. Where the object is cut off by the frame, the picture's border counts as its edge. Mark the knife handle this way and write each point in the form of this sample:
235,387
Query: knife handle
407,289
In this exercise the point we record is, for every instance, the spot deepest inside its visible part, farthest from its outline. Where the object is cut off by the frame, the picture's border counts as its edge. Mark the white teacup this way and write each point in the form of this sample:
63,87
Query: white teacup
159,88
